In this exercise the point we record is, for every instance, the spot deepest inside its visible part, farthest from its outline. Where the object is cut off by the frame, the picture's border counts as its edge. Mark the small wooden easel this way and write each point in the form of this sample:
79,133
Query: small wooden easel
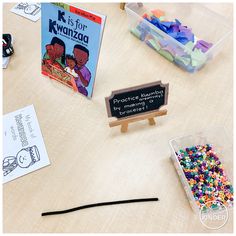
125,121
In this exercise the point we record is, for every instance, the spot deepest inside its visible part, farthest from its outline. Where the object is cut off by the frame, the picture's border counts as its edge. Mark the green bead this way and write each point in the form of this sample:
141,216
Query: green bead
214,206
204,208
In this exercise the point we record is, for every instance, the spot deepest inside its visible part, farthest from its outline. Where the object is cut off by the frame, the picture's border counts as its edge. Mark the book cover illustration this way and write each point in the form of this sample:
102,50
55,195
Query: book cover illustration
71,40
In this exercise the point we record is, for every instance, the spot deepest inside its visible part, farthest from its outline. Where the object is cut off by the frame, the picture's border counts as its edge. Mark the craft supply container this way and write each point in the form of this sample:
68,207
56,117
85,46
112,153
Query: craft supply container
205,24
218,139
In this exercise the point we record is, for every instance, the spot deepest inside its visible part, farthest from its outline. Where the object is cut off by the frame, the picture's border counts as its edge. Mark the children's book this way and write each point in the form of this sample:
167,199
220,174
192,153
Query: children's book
71,41
24,150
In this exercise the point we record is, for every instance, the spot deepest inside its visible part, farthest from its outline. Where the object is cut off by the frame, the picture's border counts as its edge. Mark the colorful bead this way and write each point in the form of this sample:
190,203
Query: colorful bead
206,176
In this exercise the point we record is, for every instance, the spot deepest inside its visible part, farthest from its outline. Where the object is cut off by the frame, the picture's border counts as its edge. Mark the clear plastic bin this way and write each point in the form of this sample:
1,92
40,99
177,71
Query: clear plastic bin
220,145
205,24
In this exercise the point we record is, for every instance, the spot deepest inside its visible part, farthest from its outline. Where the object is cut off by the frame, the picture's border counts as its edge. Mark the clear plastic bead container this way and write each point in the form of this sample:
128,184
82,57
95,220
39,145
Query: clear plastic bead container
205,24
221,147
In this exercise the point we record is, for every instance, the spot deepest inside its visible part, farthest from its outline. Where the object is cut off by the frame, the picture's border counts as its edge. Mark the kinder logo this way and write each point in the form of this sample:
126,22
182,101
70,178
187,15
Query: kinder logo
214,217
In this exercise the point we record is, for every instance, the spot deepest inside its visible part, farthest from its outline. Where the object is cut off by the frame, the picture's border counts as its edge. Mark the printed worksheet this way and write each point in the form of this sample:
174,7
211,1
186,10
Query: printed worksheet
24,150
29,10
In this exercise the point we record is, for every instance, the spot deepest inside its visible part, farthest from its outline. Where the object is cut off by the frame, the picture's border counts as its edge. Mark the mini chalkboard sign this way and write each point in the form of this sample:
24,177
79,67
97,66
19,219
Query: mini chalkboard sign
137,103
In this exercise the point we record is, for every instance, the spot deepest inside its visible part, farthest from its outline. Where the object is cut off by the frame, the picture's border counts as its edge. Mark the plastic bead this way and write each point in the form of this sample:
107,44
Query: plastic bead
206,176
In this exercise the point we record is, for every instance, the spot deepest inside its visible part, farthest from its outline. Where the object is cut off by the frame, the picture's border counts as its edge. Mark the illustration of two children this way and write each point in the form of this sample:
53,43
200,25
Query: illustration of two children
75,65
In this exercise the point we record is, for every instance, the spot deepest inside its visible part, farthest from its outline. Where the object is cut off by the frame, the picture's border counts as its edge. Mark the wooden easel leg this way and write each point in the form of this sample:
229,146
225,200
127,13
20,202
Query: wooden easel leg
122,6
124,128
151,121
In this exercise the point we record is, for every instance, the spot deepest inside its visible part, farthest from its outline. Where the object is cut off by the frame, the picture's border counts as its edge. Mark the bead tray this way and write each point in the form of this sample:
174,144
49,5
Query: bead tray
190,141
